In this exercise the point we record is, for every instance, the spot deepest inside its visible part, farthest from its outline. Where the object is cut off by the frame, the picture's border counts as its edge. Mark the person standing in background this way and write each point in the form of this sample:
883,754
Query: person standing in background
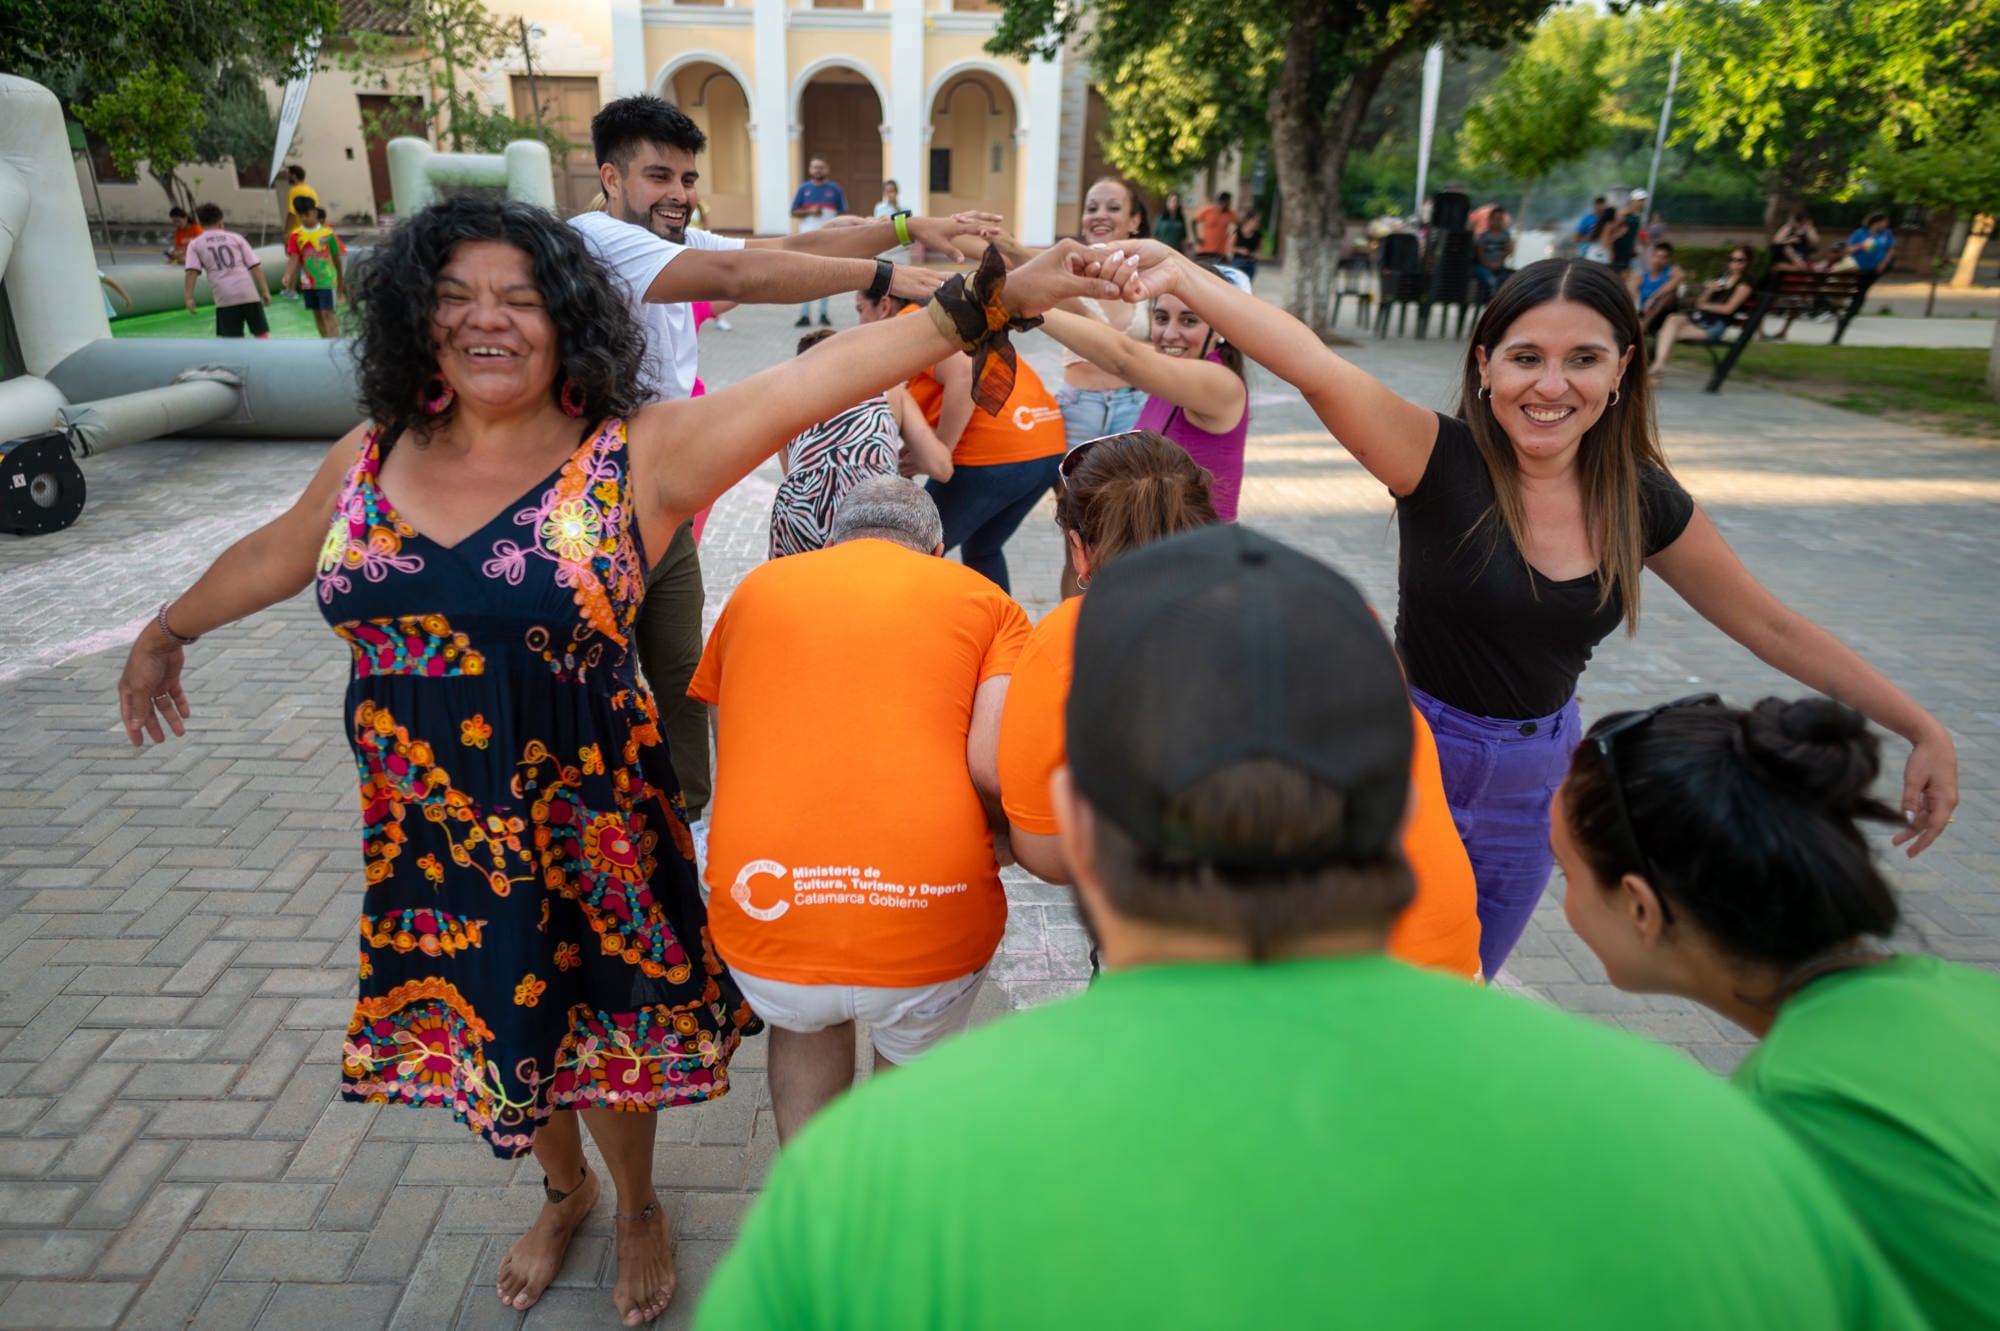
296,193
1249,240
1625,241
818,201
1492,247
1212,226
185,230
1171,228
314,266
235,277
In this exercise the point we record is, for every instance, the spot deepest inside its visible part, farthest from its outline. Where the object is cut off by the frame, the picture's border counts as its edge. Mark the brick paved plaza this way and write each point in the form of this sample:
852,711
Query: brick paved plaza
177,926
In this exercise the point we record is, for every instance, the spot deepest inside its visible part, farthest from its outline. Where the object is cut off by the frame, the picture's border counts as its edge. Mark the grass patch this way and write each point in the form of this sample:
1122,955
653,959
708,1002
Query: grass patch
1936,388
288,318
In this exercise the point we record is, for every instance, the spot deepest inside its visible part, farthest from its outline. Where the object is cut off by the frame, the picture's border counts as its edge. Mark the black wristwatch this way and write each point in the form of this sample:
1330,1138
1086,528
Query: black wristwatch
884,273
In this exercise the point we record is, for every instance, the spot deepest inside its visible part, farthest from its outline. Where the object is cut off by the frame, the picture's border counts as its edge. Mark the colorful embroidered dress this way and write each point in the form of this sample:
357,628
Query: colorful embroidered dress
532,935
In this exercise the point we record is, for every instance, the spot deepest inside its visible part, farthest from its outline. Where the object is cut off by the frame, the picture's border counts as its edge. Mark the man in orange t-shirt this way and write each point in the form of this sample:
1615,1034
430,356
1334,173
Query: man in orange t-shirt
1001,465
1439,929
1213,226
858,692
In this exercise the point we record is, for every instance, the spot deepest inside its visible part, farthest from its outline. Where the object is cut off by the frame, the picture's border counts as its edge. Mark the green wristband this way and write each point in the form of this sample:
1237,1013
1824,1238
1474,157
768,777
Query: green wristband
902,221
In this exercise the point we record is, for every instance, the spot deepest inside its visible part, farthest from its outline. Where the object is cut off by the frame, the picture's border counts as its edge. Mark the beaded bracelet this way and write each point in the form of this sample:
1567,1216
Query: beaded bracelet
161,620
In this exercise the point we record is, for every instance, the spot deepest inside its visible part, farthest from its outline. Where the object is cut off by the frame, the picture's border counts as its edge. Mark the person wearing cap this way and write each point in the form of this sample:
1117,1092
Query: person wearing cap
1255,1118
857,693
1117,494
1196,392
1526,519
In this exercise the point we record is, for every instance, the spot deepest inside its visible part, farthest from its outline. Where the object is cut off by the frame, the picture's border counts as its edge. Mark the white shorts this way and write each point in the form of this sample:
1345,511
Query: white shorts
903,1023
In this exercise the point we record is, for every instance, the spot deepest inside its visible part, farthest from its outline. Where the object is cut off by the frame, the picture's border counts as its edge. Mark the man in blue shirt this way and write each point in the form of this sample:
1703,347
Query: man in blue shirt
1873,245
818,201
1588,222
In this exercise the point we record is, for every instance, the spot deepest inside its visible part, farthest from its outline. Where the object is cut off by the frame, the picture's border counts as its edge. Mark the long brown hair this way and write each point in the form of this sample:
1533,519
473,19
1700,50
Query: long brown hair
1615,452
1130,490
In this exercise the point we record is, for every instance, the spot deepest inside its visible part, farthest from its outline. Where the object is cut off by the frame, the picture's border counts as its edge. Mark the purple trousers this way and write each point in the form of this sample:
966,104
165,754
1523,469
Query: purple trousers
1499,777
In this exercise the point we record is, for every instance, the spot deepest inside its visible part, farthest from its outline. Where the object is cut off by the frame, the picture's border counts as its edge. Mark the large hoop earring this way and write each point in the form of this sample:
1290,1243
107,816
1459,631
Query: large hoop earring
1083,582
571,399
438,395
1614,397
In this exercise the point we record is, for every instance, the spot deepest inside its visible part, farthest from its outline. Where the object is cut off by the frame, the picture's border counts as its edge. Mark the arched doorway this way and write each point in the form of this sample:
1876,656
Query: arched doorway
714,100
840,119
972,149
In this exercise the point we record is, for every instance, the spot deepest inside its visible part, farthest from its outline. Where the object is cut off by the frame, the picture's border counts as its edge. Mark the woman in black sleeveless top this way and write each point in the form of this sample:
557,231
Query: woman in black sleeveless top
1526,521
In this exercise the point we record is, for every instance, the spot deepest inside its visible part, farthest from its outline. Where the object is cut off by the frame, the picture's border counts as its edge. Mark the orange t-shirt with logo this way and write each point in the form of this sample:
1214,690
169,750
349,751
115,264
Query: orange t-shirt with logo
1440,928
1029,426
847,844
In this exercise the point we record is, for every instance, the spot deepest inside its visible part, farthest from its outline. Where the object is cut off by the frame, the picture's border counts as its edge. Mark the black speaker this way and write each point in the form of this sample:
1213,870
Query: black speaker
41,487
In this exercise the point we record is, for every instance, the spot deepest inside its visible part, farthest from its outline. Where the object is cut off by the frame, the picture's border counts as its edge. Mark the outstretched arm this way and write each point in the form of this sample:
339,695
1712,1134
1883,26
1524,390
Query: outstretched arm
776,277
269,565
696,449
868,237
1710,577
1388,434
1211,395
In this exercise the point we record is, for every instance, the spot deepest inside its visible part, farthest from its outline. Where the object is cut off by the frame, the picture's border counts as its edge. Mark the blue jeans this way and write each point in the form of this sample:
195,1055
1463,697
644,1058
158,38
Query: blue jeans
1092,413
805,310
982,507
1499,777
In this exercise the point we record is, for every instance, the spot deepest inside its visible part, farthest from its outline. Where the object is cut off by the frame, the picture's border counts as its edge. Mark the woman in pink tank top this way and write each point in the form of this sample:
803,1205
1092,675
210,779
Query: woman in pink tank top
1194,382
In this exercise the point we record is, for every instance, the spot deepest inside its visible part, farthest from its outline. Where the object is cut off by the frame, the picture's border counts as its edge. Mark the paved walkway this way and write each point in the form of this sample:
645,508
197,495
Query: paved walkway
176,927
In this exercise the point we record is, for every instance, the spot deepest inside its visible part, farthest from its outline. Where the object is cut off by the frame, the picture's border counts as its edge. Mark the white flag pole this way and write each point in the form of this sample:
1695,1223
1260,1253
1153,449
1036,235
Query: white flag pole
1660,141
1433,76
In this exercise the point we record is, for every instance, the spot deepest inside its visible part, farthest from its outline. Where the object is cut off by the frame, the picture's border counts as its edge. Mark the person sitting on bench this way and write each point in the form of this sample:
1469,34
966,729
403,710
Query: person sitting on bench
1712,313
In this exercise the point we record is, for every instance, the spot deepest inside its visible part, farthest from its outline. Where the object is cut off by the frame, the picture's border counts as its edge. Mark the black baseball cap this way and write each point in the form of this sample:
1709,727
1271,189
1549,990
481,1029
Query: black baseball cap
1218,646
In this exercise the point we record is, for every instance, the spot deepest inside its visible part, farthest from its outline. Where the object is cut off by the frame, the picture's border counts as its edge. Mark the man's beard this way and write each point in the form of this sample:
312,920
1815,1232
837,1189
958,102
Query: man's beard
651,222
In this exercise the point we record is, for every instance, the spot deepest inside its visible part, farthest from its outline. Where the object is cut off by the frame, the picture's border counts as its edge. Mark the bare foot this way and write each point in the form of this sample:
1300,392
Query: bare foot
645,1267
537,1256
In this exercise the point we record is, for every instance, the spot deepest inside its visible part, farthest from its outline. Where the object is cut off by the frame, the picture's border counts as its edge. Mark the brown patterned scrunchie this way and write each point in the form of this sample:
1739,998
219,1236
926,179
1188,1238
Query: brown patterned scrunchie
970,313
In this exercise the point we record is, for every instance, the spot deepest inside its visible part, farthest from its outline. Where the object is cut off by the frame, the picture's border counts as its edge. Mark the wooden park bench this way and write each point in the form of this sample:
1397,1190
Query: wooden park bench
1783,293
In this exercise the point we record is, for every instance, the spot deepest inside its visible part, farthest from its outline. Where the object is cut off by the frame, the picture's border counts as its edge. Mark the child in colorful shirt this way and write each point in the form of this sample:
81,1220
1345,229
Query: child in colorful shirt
313,267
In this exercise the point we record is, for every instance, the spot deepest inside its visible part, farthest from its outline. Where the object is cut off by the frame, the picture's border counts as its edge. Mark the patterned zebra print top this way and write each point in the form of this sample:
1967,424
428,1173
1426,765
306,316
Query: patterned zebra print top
860,442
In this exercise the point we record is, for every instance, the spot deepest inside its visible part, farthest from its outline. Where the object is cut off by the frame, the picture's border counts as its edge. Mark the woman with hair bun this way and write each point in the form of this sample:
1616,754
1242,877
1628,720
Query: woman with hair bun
1718,854
1129,490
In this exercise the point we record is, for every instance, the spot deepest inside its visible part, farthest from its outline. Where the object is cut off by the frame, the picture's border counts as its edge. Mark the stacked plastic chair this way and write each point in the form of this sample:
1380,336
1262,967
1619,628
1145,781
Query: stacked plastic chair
1403,283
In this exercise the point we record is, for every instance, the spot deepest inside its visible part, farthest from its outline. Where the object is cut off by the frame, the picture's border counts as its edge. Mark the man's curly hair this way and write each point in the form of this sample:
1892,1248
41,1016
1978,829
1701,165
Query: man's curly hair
599,344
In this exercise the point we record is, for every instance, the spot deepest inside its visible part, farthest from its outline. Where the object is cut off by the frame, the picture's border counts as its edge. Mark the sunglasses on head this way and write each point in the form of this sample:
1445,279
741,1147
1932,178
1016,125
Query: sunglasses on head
1605,736
1074,458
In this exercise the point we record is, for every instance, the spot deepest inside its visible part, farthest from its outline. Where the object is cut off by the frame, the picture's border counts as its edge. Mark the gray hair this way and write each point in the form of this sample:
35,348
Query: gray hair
888,508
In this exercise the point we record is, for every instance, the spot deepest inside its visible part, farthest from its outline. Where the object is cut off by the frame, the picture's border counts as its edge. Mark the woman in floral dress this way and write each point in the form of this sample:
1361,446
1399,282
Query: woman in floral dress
532,938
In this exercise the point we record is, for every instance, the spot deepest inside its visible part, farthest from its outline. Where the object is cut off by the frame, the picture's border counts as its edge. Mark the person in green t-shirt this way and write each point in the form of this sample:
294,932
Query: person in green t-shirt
1255,1118
1717,853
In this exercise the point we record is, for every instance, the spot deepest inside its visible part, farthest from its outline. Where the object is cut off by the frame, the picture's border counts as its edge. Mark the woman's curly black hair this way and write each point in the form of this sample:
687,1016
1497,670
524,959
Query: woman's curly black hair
599,343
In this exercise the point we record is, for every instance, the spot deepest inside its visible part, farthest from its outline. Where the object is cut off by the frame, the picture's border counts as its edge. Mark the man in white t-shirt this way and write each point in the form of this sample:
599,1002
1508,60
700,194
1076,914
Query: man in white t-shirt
646,150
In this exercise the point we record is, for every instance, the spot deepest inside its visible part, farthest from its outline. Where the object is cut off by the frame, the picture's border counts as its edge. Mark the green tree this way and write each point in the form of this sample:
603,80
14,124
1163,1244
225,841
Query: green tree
1955,168
131,71
1802,88
440,50
1181,82
152,116
1548,108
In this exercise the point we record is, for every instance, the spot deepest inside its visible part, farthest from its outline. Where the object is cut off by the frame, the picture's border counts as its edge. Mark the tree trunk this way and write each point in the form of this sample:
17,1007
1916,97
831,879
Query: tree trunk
1311,135
1975,245
1521,217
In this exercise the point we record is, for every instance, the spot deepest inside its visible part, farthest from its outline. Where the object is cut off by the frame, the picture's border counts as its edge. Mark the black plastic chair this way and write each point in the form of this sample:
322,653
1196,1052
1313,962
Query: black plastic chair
1403,283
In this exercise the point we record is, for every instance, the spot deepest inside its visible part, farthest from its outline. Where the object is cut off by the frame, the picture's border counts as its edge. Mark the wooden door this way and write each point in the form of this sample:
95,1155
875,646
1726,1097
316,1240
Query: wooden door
566,105
842,122
384,118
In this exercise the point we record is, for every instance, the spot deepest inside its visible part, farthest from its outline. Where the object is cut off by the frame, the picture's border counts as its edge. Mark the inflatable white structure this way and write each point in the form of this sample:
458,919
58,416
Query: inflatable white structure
416,170
79,386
